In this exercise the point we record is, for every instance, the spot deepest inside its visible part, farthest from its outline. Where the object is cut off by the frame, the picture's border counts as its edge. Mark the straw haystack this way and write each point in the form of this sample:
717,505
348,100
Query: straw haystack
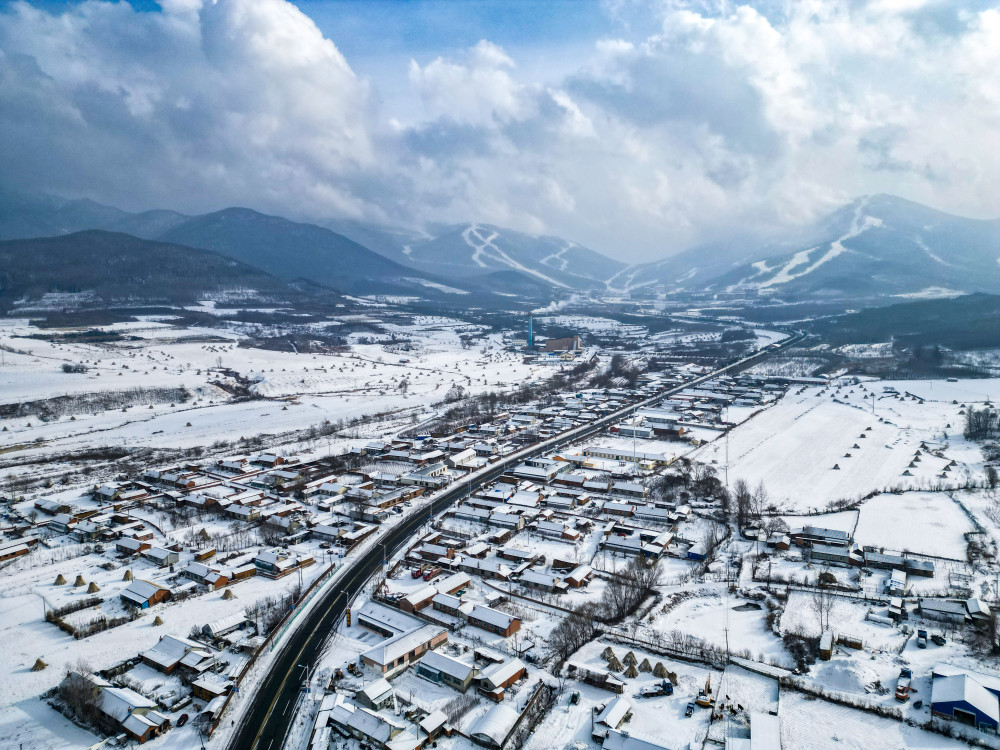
93,588
615,665
631,671
607,653
645,666
228,594
158,621
60,581
39,665
672,676
128,576
79,581
630,659
659,670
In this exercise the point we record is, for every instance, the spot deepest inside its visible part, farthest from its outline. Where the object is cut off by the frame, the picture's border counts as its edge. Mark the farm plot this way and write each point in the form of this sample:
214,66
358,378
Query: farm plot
929,523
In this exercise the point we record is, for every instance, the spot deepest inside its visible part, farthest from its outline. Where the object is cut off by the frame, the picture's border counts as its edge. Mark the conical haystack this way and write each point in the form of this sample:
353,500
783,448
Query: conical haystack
79,581
907,473
128,576
39,665
836,467
158,621
93,588
645,666
630,659
60,580
672,676
659,670
615,665
228,594
607,653
631,671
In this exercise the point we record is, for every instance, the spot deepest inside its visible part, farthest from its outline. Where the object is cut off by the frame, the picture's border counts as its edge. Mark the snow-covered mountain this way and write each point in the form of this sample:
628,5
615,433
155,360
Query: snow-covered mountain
877,245
463,251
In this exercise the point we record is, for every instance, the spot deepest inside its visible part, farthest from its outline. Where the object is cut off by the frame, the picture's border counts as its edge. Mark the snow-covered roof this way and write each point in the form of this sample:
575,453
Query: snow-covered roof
120,702
614,712
399,645
964,688
497,674
433,721
169,650
496,722
376,690
448,665
616,740
140,591
492,616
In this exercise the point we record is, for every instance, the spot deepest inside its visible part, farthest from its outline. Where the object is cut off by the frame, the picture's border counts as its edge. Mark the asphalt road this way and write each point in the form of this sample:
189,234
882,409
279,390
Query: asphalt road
266,722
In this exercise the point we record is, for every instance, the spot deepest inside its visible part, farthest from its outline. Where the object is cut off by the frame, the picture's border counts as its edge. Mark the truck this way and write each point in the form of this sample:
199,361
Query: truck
903,685
921,638
665,687
430,573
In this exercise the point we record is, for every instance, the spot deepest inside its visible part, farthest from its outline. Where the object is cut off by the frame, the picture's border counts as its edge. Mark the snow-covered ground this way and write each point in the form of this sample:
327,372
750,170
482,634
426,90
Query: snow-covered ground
793,446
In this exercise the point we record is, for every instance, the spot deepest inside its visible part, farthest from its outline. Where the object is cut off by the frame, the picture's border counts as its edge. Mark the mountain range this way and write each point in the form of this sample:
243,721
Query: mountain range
876,246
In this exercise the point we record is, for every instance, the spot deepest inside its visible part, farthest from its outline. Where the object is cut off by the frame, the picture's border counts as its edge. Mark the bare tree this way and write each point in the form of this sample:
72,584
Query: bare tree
80,692
822,605
742,498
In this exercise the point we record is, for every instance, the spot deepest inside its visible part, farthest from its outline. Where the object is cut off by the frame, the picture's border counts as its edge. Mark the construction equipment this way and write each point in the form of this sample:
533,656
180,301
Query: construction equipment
705,699
903,685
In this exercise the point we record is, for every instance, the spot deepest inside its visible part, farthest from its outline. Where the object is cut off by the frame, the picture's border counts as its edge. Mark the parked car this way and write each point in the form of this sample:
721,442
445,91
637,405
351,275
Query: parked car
938,639
182,720
689,710
921,639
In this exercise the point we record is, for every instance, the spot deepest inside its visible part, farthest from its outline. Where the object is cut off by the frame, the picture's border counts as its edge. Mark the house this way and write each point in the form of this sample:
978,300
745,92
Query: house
160,556
168,653
485,568
494,621
418,599
132,712
829,553
144,594
453,583
615,713
966,696
978,610
579,576
130,546
397,652
364,724
810,535
443,669
209,688
540,581
943,610
226,625
278,563
433,725
376,695
496,678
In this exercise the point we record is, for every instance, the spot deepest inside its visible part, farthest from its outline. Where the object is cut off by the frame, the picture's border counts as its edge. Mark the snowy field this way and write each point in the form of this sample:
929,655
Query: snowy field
296,390
793,446
929,523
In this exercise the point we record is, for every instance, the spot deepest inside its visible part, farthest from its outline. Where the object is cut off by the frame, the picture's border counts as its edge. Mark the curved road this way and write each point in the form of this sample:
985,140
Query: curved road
267,720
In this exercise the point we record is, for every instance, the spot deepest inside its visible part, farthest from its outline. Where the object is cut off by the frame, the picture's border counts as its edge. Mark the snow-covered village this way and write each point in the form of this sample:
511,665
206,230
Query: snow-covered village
437,533
499,375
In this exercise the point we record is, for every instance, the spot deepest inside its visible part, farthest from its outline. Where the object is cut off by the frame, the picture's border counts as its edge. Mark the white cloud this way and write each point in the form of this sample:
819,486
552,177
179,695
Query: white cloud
729,117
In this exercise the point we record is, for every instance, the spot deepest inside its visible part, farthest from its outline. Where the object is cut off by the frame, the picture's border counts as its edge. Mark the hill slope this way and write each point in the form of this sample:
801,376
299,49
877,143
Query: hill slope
876,246
118,268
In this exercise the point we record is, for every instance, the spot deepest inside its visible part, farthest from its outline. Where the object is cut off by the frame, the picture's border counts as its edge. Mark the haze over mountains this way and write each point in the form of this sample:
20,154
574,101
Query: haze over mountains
875,246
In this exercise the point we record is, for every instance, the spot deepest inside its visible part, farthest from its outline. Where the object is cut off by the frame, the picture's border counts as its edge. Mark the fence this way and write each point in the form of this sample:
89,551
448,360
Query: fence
268,643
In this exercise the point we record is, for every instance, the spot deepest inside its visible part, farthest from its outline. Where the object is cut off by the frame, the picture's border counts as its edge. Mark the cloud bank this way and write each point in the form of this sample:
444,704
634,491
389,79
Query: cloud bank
729,119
